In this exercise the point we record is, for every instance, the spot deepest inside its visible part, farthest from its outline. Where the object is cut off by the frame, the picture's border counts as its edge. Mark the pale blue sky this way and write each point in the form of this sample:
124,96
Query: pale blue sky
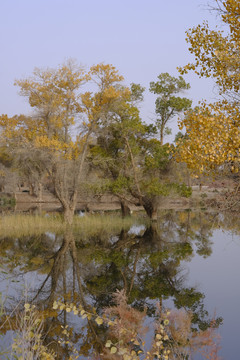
142,38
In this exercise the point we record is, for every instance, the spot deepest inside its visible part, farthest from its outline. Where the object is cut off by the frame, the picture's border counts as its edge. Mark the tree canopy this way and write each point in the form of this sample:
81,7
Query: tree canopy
167,104
213,130
64,117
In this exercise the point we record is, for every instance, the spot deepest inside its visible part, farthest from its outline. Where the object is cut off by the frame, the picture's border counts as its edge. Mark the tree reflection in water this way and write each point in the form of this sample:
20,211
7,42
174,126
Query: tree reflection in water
88,270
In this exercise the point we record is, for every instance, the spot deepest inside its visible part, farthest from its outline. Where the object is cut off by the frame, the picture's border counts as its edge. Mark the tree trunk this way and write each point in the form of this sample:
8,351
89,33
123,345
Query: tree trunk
151,234
134,170
31,189
68,214
40,192
150,207
161,135
125,209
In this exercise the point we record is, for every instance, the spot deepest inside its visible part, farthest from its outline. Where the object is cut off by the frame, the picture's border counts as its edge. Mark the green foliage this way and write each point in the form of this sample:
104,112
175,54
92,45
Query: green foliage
168,85
167,131
157,258
119,185
168,105
6,201
154,187
157,155
137,92
184,190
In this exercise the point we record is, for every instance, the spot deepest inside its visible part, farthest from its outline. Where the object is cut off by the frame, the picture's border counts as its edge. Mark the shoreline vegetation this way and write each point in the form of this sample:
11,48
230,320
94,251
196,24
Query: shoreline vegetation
23,225
210,195
105,214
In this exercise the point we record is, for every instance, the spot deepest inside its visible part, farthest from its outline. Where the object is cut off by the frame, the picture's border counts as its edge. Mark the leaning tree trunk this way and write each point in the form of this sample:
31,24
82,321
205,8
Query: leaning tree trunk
125,208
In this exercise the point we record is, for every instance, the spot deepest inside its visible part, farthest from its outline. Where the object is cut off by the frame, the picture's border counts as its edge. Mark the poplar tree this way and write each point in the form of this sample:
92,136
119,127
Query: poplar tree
167,104
213,130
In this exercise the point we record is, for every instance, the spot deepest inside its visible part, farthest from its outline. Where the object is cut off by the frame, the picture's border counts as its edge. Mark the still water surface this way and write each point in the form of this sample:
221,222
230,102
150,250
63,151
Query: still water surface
188,259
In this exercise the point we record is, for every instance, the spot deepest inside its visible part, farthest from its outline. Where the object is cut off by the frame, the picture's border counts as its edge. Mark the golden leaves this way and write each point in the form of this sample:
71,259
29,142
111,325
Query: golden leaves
113,350
105,75
99,320
213,132
217,54
212,137
61,105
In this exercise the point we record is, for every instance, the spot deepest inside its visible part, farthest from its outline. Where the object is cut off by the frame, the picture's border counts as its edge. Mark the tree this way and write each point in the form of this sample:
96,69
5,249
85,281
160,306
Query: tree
133,162
62,123
213,131
168,105
53,94
120,150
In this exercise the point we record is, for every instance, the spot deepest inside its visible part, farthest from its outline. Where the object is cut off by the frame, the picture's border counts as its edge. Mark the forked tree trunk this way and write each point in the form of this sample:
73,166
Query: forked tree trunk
125,209
59,175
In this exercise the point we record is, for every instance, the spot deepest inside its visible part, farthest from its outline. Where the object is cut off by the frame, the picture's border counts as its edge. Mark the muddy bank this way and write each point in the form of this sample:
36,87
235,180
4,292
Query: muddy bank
207,196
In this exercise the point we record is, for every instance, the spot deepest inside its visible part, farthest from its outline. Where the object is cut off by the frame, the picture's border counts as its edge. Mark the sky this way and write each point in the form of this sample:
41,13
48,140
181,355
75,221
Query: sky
141,38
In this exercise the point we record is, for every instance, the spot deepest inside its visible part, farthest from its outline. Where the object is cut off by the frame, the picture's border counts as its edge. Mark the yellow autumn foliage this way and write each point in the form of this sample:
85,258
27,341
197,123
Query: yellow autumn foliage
213,130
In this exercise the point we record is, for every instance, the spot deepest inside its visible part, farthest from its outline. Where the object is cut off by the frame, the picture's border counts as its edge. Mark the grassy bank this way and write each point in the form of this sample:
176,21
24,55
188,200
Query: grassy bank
23,225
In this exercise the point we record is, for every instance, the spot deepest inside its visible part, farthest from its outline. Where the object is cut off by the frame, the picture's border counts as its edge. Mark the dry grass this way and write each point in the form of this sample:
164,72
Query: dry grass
92,224
24,225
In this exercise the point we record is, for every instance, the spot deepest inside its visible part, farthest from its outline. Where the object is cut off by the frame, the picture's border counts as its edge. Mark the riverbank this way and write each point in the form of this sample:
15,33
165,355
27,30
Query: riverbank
212,196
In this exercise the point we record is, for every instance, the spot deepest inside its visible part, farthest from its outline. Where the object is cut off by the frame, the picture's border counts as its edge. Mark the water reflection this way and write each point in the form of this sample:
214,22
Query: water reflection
87,270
